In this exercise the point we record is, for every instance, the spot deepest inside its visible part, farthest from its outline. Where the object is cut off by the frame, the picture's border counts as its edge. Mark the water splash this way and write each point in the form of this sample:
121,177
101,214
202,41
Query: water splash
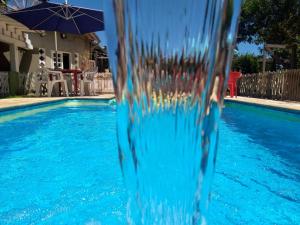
170,60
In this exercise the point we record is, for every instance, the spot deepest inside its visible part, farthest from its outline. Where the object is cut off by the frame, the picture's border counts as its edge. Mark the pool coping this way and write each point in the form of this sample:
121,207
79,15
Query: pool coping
19,103
286,106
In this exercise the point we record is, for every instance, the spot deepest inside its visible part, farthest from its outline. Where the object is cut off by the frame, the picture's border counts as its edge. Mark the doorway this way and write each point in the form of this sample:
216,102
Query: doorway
66,61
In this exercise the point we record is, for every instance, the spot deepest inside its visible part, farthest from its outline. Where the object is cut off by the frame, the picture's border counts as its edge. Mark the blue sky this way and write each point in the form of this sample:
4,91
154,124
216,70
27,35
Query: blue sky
96,4
249,48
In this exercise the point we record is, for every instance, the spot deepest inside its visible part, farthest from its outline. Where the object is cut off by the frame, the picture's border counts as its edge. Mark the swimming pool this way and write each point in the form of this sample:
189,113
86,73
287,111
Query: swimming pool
257,178
59,165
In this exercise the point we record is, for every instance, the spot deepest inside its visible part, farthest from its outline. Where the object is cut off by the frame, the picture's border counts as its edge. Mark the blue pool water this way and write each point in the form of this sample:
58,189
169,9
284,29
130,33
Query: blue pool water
59,165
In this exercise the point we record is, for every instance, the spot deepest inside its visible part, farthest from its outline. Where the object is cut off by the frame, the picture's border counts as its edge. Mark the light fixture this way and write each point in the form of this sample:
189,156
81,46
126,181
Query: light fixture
94,42
63,35
43,34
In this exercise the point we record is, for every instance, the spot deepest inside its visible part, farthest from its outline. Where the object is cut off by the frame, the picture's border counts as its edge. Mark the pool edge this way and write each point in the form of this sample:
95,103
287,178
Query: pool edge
47,101
266,103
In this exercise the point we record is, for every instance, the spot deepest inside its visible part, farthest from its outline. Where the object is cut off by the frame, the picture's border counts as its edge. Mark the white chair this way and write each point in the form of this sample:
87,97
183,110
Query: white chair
108,85
41,81
88,78
50,78
57,77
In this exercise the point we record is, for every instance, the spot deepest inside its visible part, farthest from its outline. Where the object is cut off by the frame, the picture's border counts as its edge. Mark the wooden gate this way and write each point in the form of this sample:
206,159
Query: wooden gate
280,85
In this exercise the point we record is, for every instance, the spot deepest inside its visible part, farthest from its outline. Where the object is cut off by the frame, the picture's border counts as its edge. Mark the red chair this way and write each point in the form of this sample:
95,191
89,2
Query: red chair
233,77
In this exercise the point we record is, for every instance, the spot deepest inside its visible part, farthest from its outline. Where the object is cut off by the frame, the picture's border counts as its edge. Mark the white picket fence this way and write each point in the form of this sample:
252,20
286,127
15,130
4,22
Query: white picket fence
4,87
103,83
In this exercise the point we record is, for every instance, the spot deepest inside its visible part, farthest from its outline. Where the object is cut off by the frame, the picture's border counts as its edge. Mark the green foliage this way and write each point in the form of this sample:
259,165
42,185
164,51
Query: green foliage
245,63
270,21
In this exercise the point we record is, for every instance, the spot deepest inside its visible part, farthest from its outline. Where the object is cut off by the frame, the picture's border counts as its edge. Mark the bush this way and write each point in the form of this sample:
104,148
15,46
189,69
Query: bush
245,63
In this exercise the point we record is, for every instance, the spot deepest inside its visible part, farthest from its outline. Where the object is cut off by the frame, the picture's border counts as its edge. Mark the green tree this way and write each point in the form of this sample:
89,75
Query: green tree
245,63
272,22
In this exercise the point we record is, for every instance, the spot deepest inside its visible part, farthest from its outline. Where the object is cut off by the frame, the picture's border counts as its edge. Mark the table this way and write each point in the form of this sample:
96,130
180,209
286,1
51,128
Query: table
75,73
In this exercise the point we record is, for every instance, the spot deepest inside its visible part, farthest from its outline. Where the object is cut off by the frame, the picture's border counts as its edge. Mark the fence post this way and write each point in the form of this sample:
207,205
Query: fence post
269,86
283,85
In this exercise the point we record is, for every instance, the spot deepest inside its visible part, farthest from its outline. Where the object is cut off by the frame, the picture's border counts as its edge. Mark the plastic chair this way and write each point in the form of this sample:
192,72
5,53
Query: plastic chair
57,77
88,78
233,77
42,80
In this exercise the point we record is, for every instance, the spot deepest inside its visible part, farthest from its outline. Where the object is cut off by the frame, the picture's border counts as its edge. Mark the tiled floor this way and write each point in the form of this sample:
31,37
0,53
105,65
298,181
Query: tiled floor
16,102
266,102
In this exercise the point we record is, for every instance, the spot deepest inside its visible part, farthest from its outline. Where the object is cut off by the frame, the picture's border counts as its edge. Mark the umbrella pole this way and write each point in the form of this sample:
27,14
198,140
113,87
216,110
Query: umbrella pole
56,56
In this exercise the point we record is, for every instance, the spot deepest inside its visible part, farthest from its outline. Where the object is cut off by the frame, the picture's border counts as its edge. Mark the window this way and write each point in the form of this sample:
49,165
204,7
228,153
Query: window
57,60
61,60
76,60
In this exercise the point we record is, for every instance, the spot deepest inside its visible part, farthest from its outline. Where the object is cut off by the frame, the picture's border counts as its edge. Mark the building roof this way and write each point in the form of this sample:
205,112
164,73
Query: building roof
92,37
12,32
12,29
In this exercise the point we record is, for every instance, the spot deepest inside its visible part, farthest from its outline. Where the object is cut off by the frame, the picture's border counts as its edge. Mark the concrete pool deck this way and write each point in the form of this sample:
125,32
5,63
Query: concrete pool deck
10,103
283,105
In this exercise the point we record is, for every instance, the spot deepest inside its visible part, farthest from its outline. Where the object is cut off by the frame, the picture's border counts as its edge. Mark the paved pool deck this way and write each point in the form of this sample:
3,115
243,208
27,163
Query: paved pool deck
9,103
283,105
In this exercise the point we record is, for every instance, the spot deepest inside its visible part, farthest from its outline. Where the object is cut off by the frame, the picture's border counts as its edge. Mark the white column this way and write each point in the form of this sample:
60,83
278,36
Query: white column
14,58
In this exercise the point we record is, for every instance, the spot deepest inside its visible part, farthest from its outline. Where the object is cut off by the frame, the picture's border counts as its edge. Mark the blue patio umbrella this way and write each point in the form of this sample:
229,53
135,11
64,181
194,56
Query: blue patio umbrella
63,18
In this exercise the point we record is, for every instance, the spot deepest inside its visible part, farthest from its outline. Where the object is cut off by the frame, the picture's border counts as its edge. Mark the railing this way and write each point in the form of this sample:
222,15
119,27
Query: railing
19,83
103,83
4,87
280,85
26,82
